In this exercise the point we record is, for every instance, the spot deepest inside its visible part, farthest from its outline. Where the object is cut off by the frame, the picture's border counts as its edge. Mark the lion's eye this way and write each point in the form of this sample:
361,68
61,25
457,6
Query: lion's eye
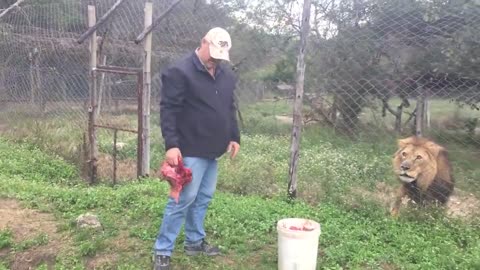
404,154
419,157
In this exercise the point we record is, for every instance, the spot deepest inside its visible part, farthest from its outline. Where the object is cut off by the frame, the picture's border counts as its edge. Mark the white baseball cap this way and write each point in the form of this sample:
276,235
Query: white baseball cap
220,43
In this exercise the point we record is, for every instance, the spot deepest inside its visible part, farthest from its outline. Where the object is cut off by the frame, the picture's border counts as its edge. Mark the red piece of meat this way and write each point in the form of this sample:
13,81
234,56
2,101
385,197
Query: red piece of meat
294,228
307,226
178,177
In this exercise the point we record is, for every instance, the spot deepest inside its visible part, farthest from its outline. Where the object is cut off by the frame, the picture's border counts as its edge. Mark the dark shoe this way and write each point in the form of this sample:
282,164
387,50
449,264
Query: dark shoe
161,262
204,248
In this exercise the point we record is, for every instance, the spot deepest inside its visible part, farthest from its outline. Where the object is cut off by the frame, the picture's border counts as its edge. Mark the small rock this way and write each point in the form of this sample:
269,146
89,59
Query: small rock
88,220
121,145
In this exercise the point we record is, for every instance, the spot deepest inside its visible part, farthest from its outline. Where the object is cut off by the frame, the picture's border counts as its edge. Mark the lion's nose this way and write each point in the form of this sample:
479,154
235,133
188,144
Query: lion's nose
405,166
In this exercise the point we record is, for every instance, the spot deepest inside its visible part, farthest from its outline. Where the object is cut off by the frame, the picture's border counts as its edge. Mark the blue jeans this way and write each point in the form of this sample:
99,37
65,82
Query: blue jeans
191,208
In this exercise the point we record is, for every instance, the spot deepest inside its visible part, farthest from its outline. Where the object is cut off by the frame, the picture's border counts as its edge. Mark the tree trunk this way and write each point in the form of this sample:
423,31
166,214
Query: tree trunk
108,93
419,115
427,112
398,119
39,91
32,80
63,84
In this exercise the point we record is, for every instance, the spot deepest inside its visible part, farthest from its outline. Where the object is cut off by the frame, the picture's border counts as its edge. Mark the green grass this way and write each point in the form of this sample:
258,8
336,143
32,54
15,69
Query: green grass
28,160
5,238
357,233
39,240
360,236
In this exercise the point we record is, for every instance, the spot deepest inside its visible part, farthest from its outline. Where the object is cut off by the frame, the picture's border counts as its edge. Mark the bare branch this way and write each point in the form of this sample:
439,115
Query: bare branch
288,15
100,22
102,39
156,22
5,11
387,106
411,116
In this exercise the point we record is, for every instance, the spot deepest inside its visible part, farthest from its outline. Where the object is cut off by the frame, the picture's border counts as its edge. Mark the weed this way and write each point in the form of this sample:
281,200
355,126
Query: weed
39,240
5,238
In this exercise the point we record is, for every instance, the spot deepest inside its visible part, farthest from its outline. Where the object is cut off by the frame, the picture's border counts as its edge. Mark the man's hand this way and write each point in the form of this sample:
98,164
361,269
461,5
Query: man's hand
233,147
172,156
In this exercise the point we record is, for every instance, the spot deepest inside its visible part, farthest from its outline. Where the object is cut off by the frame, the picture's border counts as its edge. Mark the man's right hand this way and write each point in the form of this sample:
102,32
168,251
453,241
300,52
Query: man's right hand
173,155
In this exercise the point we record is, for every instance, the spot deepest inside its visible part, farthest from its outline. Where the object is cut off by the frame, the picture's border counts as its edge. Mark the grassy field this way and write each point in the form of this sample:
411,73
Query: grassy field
344,185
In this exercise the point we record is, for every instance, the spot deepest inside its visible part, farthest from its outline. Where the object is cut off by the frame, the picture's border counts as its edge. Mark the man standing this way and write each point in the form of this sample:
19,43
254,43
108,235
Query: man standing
198,123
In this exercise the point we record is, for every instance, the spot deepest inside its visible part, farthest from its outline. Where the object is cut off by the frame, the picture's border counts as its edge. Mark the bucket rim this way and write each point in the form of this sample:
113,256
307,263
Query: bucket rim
281,226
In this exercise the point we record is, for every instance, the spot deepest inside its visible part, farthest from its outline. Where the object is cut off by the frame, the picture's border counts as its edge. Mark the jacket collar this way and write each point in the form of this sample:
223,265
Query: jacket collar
200,67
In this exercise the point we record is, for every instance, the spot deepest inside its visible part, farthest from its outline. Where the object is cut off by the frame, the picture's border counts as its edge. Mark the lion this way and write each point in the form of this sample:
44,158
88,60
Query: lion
424,171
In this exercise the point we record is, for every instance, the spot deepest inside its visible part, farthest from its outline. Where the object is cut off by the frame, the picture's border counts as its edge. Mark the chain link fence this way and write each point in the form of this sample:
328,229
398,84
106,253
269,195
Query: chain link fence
374,70
390,64
45,73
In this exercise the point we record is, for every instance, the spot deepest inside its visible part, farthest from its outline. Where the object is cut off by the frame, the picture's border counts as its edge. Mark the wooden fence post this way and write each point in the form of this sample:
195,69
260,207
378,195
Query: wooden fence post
147,83
93,94
297,107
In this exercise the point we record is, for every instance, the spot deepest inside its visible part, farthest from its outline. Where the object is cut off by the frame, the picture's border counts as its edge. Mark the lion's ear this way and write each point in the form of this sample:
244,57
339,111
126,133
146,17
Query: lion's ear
434,148
402,143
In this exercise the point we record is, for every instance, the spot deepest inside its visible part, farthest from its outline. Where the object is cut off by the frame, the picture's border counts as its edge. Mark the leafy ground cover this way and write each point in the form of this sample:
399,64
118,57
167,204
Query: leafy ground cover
356,235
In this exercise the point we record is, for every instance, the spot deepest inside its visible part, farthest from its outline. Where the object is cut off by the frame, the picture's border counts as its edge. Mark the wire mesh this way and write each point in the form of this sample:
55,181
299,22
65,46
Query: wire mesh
375,69
387,59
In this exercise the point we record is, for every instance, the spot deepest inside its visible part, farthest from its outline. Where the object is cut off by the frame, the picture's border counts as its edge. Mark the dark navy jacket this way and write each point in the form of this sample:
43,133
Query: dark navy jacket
197,111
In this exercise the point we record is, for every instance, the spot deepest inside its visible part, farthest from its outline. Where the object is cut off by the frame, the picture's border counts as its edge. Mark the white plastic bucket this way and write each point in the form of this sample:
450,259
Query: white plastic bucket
297,249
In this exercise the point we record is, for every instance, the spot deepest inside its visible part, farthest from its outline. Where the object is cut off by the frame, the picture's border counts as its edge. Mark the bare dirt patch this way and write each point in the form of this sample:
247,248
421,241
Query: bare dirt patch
26,224
284,119
102,261
120,246
126,169
289,120
461,205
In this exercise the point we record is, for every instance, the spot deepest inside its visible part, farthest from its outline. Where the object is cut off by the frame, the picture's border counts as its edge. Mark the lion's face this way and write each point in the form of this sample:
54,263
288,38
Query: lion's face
415,159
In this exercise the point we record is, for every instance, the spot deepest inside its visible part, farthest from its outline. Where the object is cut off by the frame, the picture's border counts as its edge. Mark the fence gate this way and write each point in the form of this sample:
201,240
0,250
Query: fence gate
142,94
